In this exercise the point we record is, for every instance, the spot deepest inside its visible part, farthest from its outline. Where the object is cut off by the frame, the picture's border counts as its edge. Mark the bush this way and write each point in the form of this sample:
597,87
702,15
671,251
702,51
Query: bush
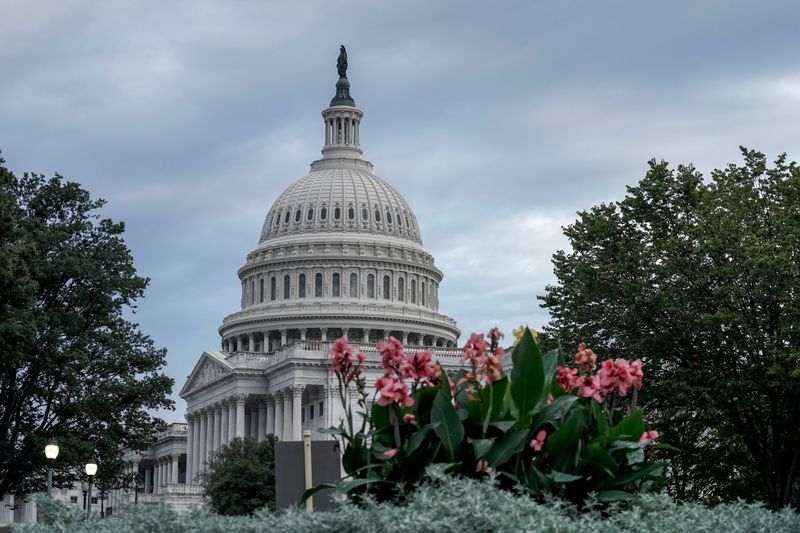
241,476
446,504
546,429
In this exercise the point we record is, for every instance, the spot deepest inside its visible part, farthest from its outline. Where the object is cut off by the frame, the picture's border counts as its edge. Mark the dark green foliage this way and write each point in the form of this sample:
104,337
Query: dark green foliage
702,281
241,477
72,368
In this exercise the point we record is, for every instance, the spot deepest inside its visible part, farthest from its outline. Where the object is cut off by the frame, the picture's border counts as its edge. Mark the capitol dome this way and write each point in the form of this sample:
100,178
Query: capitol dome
340,255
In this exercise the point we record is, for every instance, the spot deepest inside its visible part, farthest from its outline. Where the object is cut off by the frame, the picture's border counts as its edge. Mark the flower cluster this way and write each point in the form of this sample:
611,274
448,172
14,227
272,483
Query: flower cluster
342,361
399,366
485,359
615,376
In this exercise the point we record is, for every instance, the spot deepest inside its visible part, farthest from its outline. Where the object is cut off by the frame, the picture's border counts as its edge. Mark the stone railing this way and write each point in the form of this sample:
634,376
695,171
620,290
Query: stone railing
182,489
322,307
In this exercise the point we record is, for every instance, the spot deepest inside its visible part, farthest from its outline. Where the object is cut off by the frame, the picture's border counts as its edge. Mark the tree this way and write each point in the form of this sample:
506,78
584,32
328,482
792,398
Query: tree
72,368
702,280
241,476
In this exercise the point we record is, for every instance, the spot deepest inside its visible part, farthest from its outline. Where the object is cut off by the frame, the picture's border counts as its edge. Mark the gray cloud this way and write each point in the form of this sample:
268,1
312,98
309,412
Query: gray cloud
497,121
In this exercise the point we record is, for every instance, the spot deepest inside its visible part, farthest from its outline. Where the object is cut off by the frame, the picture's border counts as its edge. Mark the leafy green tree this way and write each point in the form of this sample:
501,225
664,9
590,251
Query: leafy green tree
701,279
241,476
72,368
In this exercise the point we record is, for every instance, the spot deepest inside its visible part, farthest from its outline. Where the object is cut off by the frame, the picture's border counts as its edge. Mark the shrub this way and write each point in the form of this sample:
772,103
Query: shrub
546,429
448,504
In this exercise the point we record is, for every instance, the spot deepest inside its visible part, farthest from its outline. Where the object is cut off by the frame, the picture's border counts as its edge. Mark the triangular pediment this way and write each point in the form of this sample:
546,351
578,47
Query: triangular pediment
211,367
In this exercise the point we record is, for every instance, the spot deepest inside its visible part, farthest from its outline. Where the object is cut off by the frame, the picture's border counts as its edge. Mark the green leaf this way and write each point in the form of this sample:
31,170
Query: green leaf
556,411
594,454
527,376
481,446
635,457
509,444
380,416
632,426
503,425
549,363
492,406
601,422
448,428
418,437
566,436
562,477
614,496
423,403
637,474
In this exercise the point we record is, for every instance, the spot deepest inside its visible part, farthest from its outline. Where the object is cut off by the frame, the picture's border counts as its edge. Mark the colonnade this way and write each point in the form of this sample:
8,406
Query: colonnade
267,341
212,426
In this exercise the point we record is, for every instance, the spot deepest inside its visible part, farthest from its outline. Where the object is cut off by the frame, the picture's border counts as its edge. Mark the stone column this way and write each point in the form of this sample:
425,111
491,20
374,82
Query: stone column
189,444
176,468
270,415
405,338
201,463
283,337
231,419
302,334
251,342
156,472
297,409
240,401
217,438
365,339
279,415
209,436
324,334
262,420
148,480
223,430
345,331
196,447
265,344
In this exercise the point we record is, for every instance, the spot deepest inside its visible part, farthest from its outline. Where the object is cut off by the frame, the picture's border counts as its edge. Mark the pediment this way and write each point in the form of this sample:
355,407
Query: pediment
211,367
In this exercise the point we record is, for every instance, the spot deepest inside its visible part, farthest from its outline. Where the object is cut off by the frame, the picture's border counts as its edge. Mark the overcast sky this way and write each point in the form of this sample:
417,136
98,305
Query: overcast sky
496,120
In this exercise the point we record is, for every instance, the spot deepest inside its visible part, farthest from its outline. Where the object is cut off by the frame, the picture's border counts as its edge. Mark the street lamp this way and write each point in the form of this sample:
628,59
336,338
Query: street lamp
91,470
51,452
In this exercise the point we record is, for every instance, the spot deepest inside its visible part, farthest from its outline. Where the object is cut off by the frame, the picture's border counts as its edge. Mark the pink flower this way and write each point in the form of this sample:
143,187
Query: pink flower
495,335
340,355
392,354
567,377
390,453
549,399
409,418
538,442
393,390
620,375
589,387
483,466
585,358
636,373
475,348
492,368
648,436
418,366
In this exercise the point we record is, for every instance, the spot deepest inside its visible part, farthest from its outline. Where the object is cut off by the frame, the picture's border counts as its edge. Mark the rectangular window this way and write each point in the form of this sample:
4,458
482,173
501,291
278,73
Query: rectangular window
94,500
311,412
320,409
73,499
302,415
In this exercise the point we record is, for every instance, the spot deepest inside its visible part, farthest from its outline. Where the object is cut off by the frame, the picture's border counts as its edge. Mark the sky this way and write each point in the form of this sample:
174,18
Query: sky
497,121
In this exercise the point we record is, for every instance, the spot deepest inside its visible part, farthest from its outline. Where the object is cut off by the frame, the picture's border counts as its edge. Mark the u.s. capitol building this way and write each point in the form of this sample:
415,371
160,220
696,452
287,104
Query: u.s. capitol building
340,255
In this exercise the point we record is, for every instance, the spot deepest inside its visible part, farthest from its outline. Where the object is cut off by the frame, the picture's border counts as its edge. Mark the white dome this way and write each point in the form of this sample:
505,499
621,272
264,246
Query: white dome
341,200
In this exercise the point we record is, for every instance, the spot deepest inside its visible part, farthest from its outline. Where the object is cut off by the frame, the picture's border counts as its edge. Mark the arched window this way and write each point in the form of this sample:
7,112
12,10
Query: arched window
301,286
286,217
318,285
422,286
401,289
252,291
413,291
287,287
370,286
364,214
336,285
261,290
407,224
399,220
337,213
323,213
351,214
387,288
276,219
353,285
388,217
377,216
310,214
297,216
273,288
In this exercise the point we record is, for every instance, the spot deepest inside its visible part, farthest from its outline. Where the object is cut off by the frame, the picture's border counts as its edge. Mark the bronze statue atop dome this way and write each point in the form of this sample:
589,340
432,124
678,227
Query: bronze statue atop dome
341,63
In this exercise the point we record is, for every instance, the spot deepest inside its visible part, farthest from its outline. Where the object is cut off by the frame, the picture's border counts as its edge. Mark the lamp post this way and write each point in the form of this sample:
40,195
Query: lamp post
51,452
91,470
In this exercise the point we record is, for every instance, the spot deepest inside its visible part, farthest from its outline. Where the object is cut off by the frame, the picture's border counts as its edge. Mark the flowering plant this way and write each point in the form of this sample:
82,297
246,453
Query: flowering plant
546,428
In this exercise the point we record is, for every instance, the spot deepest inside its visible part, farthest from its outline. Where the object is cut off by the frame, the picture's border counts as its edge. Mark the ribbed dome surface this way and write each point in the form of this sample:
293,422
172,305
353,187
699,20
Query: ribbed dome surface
346,200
